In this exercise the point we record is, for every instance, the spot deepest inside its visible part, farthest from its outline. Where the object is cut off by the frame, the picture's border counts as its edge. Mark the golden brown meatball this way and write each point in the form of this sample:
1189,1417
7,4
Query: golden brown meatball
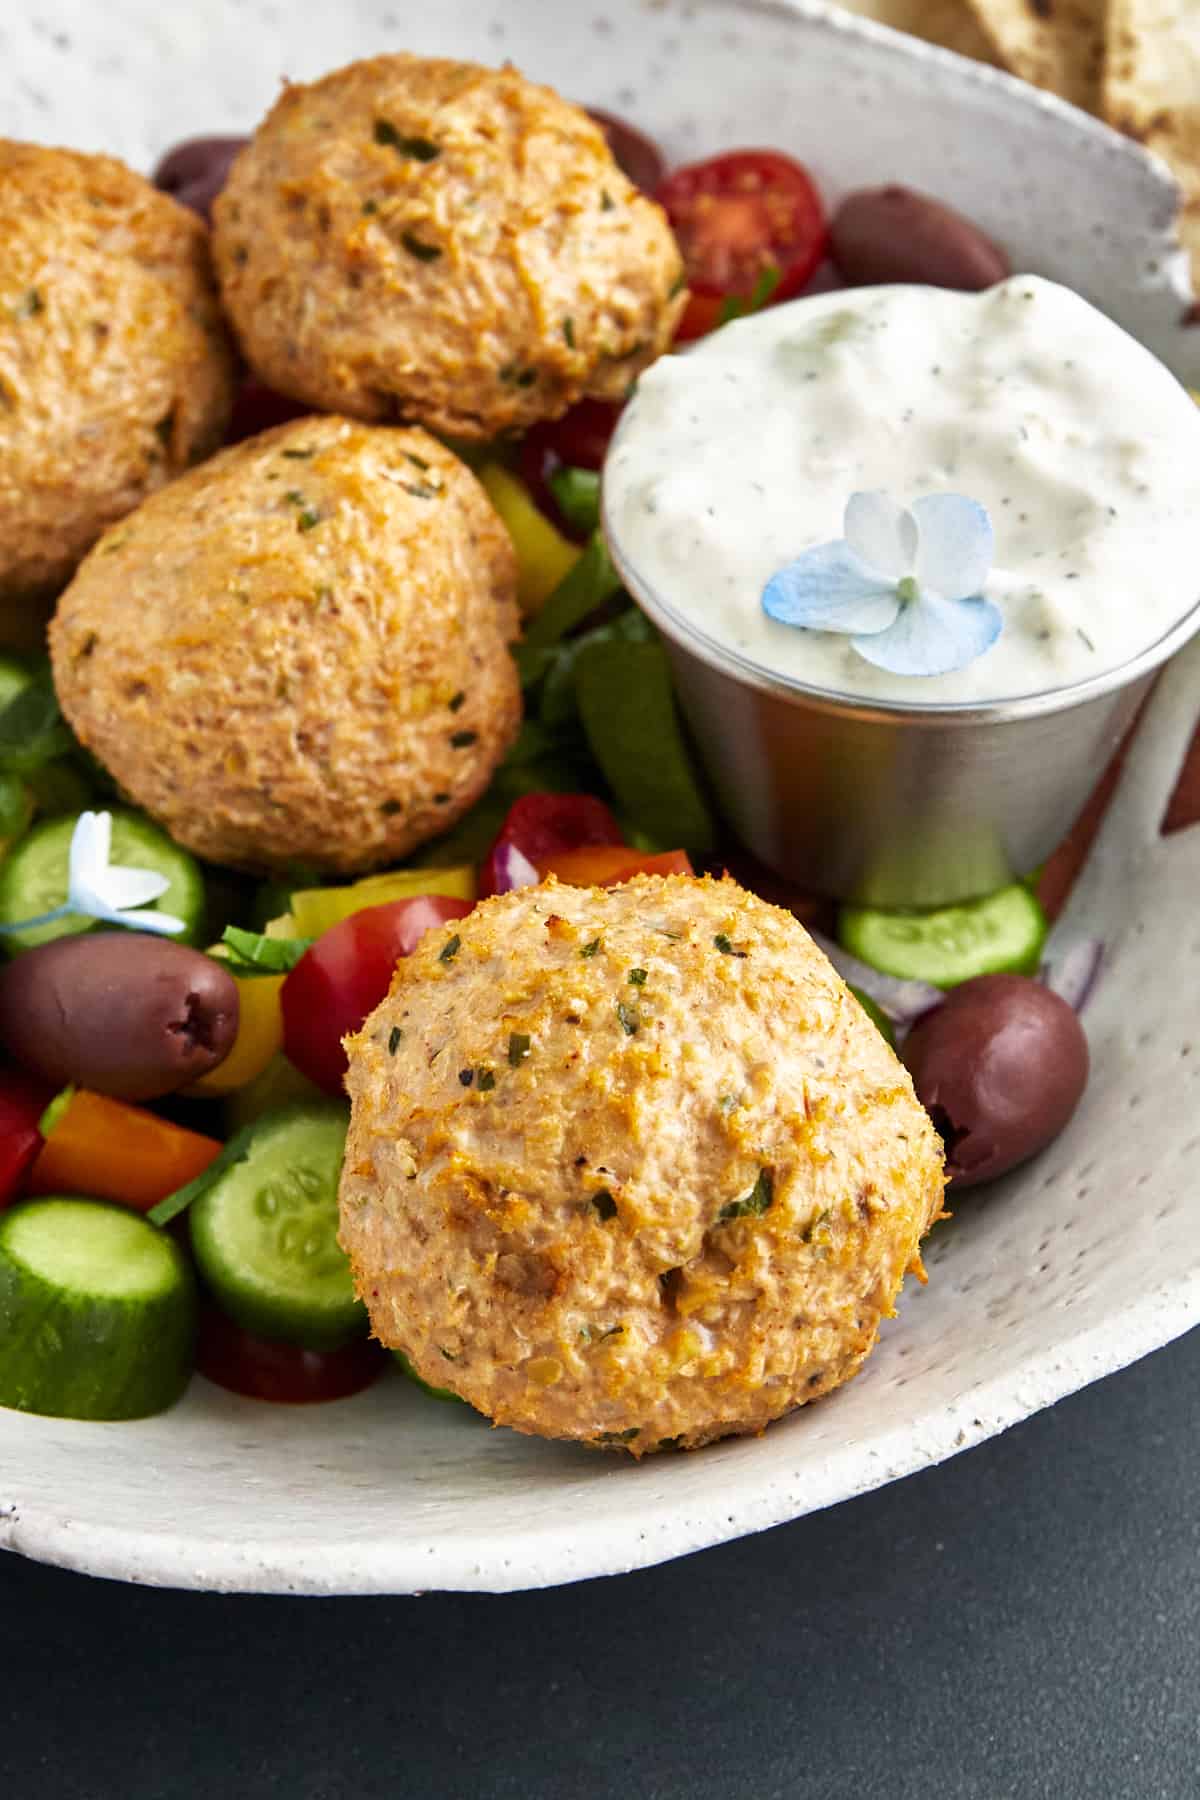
631,1165
298,653
414,238
114,370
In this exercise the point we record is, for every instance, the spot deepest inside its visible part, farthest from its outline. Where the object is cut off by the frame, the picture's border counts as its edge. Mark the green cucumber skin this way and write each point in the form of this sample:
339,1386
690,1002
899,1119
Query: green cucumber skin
868,934
246,1293
68,1358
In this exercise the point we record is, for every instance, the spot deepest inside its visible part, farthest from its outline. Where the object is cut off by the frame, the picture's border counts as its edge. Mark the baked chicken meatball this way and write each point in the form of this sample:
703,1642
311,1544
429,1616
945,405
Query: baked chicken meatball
115,373
631,1165
424,239
298,653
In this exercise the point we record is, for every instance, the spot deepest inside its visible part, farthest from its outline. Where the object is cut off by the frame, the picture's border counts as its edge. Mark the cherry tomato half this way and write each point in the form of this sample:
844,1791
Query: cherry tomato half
23,1100
262,1369
738,217
541,826
345,975
634,153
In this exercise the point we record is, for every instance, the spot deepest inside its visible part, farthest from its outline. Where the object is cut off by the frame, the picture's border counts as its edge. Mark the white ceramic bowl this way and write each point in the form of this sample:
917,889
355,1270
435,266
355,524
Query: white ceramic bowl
1088,1259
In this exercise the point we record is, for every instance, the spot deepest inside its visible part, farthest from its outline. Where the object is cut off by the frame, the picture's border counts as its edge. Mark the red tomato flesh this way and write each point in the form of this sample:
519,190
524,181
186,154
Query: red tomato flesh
23,1100
738,218
345,975
541,826
262,1369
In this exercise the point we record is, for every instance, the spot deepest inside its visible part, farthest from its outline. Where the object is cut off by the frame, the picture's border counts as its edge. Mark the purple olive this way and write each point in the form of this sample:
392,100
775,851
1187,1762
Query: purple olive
121,1012
195,171
1000,1067
634,153
886,234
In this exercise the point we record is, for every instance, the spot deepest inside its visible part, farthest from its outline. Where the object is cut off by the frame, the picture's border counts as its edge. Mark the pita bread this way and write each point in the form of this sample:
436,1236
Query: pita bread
1055,44
1152,92
948,23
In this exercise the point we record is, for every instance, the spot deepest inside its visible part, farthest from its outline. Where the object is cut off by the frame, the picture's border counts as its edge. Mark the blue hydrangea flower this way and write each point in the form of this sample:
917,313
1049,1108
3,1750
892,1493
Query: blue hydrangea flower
903,584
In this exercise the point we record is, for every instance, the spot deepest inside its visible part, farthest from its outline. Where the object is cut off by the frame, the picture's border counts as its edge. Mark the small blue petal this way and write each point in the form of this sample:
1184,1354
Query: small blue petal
881,533
956,546
828,589
934,636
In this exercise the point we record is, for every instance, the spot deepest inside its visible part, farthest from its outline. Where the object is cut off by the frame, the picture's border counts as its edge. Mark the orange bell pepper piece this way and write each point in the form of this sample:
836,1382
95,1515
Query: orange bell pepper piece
109,1150
606,865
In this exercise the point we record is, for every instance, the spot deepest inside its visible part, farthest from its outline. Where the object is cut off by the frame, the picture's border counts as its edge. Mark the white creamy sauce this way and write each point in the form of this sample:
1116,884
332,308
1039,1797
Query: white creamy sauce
738,455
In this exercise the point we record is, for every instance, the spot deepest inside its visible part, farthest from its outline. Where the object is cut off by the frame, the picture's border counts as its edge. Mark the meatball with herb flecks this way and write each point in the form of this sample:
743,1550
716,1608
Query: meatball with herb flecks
416,238
115,373
298,653
631,1165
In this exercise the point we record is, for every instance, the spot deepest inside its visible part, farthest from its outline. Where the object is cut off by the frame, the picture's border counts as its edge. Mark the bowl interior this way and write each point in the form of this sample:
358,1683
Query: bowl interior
1087,1259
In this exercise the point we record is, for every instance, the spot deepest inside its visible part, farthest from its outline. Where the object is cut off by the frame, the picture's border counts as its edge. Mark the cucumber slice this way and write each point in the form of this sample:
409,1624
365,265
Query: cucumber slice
97,1312
1001,934
426,1387
13,677
265,1233
33,878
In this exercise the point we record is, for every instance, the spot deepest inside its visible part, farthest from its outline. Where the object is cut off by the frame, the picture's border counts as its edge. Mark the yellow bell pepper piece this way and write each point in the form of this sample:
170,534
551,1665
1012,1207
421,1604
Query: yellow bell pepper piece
543,554
314,910
259,1035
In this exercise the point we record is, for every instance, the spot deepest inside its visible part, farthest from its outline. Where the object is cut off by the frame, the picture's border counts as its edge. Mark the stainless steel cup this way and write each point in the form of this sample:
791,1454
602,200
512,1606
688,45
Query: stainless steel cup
891,803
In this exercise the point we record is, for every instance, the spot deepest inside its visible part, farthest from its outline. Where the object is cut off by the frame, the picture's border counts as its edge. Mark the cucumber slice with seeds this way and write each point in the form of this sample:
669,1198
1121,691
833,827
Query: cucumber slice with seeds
265,1233
33,878
97,1311
1001,934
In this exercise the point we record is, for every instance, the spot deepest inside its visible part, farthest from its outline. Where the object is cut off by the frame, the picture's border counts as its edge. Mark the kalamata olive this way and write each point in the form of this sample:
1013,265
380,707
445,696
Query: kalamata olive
635,153
195,171
1000,1067
894,234
122,1012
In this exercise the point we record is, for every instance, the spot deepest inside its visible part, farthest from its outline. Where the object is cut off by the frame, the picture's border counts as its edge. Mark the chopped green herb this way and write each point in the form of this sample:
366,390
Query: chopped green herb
423,252
450,1355
607,203
604,1203
420,490
29,305
370,208
235,1151
461,740
677,286
300,454
395,1037
753,1204
735,307
308,519
466,1076
487,1081
419,148
591,949
725,946
637,977
619,1437
814,1224
726,1103
513,376
629,1018
294,497
518,1048
418,462
591,1334
450,949
456,700
250,953
568,330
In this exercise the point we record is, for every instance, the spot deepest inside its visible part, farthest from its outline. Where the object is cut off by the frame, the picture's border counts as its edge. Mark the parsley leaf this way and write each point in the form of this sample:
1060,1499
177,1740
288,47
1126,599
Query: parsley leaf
754,1204
421,149
450,949
725,946
251,953
518,1048
629,1018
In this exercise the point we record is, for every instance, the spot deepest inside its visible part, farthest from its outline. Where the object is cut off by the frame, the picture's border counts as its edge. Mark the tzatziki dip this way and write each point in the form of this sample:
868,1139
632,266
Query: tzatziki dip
1082,450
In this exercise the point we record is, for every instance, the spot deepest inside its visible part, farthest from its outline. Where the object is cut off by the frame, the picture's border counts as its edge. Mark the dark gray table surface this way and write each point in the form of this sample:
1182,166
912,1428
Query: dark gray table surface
1023,1621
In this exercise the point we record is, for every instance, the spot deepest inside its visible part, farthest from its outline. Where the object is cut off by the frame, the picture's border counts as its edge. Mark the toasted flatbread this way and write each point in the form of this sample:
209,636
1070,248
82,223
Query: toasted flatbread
1055,44
948,23
1152,91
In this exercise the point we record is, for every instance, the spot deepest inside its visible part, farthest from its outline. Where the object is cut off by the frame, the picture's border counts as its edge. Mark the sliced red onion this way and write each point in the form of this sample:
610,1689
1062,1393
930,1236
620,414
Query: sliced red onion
1070,970
904,1002
510,869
